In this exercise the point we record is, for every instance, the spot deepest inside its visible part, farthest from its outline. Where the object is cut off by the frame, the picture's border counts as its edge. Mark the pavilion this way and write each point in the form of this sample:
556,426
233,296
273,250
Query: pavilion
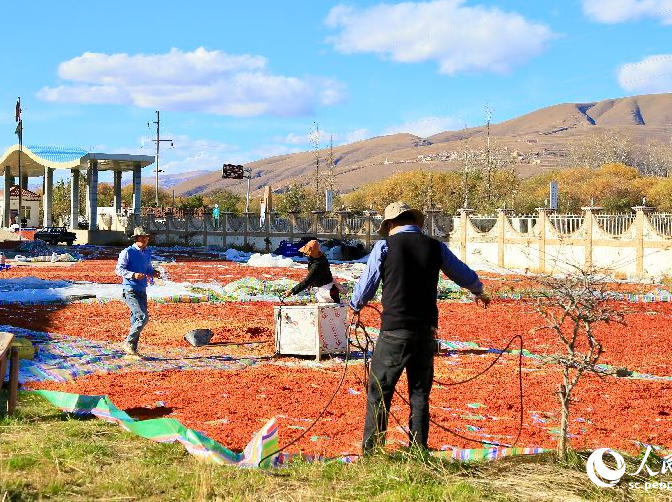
41,161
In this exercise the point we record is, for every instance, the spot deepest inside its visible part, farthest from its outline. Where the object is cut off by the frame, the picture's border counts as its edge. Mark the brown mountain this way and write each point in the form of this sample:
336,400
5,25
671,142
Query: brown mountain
538,140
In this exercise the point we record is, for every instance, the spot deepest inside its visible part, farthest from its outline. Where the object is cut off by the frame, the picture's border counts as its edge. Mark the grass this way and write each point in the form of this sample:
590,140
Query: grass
45,454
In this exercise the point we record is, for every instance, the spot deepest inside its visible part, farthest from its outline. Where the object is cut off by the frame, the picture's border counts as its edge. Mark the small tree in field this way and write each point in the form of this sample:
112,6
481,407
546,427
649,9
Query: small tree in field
572,306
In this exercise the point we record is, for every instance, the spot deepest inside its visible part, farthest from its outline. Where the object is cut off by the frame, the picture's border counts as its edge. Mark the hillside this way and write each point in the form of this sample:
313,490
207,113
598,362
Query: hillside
537,139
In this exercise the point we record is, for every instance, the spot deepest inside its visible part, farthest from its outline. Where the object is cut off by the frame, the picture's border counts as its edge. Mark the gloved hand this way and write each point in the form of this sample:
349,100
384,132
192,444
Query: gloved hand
482,298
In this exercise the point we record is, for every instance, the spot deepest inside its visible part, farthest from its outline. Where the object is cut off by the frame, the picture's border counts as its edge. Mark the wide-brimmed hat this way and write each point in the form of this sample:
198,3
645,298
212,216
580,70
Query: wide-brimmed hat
139,232
395,210
311,248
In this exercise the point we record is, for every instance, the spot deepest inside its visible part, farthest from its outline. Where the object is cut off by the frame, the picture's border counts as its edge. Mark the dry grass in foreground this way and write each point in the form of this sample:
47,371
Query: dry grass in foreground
45,454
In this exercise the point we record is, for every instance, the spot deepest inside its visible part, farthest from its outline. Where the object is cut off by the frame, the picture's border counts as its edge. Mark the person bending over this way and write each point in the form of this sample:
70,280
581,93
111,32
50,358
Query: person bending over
319,276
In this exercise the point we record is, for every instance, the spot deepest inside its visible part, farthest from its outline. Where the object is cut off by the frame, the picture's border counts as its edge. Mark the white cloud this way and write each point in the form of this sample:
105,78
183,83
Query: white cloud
427,126
650,75
355,136
296,139
201,80
342,138
620,11
267,151
189,154
457,38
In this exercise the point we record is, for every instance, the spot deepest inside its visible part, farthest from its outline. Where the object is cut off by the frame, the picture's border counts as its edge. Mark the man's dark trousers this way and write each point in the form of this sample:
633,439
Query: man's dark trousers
395,350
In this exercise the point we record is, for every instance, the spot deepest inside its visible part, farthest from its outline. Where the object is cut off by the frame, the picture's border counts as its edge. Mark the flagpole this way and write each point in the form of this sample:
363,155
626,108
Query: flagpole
20,129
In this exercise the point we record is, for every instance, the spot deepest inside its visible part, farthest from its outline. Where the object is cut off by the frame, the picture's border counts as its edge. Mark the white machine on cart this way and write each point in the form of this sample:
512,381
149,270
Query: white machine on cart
311,330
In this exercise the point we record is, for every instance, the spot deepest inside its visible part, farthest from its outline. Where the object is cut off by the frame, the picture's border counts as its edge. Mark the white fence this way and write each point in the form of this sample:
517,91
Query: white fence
638,243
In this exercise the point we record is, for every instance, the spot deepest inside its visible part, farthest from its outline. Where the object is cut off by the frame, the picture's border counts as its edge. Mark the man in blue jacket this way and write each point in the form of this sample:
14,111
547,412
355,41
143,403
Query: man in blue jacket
408,263
135,266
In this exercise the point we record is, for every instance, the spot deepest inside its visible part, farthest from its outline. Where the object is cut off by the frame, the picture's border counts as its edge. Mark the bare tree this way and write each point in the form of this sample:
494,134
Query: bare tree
618,147
572,306
654,159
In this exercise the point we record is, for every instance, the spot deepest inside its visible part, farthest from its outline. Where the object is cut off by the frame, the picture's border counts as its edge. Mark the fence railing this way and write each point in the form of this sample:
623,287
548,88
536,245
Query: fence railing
615,224
496,237
483,223
566,223
662,222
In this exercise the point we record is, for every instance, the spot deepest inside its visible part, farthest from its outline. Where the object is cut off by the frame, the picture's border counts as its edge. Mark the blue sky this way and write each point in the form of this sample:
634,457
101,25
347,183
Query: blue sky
238,82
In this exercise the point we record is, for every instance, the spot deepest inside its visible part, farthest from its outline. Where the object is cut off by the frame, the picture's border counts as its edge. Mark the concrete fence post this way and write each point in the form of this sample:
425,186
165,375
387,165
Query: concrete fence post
430,225
316,221
342,215
464,223
246,228
292,225
542,225
369,228
640,220
589,221
267,230
502,216
225,228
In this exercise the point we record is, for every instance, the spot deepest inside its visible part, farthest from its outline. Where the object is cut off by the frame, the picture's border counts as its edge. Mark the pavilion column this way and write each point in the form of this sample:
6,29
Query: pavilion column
74,199
117,192
93,195
24,181
48,198
137,189
7,212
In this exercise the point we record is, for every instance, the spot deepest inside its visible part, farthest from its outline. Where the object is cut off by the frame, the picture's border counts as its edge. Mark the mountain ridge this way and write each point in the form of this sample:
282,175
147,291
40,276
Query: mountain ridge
539,138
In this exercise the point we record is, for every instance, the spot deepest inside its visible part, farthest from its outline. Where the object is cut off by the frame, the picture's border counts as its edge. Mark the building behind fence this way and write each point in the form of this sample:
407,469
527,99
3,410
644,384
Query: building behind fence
634,244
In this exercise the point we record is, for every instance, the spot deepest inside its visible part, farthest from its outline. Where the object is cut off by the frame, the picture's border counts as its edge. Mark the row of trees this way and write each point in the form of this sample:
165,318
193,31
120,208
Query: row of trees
227,200
616,187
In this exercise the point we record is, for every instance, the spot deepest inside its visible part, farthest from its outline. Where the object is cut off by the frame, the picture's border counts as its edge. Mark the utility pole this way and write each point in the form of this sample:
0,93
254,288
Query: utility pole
331,163
158,141
247,174
467,157
488,116
315,139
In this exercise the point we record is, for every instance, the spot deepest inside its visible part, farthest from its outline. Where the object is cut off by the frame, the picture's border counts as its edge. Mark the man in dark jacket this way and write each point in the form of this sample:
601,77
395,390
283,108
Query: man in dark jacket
408,263
319,276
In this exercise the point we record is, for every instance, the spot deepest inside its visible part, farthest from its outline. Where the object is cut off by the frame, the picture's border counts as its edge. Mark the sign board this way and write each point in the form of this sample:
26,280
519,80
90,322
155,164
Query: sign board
553,199
232,171
329,200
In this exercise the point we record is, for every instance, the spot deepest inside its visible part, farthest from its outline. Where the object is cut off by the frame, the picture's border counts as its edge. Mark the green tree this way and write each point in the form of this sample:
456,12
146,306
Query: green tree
105,195
227,200
192,202
297,198
147,195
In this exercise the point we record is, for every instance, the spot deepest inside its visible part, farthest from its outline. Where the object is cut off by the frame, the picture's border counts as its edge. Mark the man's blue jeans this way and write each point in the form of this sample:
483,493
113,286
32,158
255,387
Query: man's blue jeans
137,302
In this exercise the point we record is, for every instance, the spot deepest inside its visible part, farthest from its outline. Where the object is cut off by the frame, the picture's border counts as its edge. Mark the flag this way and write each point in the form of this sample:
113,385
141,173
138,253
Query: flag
19,131
18,110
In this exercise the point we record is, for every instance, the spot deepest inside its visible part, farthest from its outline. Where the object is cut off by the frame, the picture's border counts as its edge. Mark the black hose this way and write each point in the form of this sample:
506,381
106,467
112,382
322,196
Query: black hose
502,352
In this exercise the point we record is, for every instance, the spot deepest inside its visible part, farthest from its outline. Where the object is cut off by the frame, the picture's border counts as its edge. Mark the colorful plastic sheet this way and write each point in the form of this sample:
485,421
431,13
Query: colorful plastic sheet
261,451
258,453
